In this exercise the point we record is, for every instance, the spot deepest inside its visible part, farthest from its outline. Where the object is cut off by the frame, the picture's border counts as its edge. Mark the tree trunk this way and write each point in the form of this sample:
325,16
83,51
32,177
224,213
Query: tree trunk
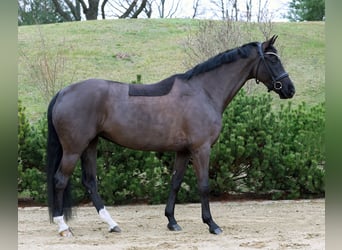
103,9
91,12
140,9
129,10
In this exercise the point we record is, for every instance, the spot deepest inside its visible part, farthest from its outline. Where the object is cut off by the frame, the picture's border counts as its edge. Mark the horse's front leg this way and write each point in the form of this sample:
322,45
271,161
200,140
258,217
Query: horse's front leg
181,162
201,165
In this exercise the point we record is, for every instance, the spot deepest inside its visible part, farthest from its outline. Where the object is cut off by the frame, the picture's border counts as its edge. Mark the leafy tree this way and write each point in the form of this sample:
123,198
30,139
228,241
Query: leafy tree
306,10
37,12
71,10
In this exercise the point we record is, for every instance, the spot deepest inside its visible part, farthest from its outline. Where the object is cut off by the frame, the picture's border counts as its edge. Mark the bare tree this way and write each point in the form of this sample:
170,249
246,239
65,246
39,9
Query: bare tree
195,6
131,8
262,9
148,9
161,5
90,11
70,9
265,21
103,13
219,4
235,9
46,68
212,37
122,8
248,10
229,9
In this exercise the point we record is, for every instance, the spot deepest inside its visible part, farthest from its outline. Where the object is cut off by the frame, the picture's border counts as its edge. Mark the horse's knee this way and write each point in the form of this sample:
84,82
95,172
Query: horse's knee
61,181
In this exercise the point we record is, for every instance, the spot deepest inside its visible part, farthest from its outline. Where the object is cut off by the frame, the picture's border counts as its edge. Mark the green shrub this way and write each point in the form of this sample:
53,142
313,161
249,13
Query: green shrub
126,175
24,132
278,152
261,150
31,157
31,140
31,183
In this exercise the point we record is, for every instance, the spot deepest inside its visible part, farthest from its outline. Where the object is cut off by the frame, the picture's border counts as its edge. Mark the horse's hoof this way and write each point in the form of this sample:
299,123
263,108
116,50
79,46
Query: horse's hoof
115,229
66,233
216,231
174,227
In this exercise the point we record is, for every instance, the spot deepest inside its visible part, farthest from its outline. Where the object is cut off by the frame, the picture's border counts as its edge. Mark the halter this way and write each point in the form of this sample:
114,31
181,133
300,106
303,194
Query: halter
277,85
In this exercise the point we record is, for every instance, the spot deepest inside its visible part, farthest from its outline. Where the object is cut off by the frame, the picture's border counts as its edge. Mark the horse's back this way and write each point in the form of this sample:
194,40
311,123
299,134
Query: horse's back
91,87
160,123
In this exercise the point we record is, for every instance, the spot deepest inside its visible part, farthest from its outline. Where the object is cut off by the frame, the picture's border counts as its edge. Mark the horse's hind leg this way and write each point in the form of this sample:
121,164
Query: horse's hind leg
182,159
88,162
62,199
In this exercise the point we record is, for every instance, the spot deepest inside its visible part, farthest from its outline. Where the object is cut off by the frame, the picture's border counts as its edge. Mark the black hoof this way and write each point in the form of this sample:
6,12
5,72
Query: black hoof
216,231
174,227
115,229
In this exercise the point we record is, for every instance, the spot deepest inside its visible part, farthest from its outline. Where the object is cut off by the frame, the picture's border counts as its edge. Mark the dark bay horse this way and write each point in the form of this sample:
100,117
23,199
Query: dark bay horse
182,113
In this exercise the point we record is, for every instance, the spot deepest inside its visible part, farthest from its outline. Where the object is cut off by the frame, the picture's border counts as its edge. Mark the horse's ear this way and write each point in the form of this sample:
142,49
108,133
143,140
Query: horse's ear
269,42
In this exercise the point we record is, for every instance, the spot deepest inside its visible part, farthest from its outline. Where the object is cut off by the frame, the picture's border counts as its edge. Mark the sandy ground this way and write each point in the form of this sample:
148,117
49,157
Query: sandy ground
246,225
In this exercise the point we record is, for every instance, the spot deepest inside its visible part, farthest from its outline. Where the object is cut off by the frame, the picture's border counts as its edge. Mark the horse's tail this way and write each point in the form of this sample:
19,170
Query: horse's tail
54,156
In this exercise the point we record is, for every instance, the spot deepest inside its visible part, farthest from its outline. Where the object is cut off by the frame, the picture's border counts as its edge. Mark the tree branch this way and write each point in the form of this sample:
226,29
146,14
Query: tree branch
83,4
103,10
73,9
129,9
140,9
60,11
173,9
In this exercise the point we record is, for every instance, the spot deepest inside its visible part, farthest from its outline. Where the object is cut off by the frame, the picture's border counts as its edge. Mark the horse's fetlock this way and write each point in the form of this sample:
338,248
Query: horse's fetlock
207,220
203,189
168,213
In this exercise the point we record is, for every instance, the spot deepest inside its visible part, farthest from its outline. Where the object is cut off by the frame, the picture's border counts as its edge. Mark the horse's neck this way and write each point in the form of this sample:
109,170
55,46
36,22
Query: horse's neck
223,83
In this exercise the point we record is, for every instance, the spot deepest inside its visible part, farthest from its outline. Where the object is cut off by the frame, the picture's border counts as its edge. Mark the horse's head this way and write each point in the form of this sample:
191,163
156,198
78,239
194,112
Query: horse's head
270,71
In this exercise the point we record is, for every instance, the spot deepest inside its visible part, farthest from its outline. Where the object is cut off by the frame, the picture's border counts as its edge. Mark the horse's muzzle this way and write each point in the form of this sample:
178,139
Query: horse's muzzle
287,93
284,88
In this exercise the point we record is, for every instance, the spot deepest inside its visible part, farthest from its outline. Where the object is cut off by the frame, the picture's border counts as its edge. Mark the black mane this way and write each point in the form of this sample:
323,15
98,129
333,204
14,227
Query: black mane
222,58
164,87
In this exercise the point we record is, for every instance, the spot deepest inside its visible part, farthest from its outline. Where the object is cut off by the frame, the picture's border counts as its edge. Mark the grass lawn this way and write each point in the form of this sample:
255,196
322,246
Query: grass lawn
154,48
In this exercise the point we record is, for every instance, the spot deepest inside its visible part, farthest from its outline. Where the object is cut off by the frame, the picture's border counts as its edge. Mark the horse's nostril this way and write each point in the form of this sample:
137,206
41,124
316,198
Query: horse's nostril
293,91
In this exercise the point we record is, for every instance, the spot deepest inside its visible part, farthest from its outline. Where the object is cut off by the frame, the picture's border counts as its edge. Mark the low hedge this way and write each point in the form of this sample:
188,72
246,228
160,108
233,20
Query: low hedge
278,152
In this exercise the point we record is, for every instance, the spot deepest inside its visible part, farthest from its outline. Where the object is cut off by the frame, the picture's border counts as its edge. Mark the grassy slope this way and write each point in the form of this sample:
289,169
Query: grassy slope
121,49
